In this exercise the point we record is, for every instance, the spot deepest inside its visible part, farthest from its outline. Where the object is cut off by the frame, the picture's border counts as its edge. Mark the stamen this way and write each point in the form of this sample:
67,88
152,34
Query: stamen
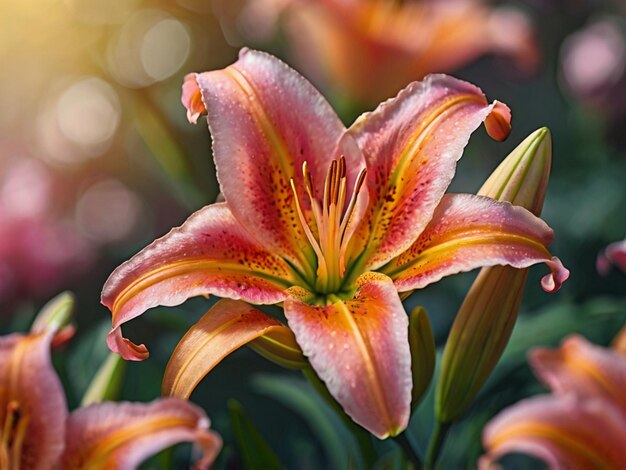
13,435
308,184
18,441
355,194
346,219
342,167
331,221
308,179
328,184
9,421
307,230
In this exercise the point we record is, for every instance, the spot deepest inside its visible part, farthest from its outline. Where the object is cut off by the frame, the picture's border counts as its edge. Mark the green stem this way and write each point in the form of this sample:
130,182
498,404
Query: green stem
362,437
437,440
408,450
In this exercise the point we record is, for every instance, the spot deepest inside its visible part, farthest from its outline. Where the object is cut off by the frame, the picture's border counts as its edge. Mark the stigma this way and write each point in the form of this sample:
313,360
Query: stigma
331,216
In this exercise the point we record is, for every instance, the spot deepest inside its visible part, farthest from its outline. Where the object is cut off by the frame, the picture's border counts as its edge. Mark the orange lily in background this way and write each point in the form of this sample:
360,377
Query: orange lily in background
369,49
333,223
38,433
582,424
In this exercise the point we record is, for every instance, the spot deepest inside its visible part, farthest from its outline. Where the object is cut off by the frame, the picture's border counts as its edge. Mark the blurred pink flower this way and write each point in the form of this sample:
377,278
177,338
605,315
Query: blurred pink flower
51,231
39,246
593,65
368,49
38,433
614,254
581,424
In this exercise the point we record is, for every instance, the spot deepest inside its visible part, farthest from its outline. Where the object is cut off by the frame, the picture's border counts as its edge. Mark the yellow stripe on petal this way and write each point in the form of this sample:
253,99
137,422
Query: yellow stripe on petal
122,435
209,254
583,369
411,144
266,121
227,326
360,349
468,232
564,431
33,409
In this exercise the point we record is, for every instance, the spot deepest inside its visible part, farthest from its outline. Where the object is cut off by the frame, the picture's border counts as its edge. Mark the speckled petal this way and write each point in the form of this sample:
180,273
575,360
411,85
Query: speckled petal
411,144
266,120
227,326
565,432
360,349
467,232
122,435
32,392
209,254
583,369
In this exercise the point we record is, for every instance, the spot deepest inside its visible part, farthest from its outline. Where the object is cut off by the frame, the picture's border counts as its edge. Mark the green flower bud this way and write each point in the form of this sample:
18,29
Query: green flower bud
56,317
423,353
486,318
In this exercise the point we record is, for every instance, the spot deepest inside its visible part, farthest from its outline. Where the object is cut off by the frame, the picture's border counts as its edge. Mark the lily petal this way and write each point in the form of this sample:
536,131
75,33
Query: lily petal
192,98
266,121
122,435
227,326
583,369
467,232
411,144
563,431
360,349
32,403
209,254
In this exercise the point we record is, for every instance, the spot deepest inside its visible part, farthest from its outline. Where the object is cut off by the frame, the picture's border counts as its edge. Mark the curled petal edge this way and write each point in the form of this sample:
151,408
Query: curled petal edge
192,98
125,347
498,121
559,274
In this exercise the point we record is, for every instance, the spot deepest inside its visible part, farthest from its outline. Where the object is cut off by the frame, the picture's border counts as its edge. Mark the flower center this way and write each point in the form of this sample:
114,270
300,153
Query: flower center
12,436
331,217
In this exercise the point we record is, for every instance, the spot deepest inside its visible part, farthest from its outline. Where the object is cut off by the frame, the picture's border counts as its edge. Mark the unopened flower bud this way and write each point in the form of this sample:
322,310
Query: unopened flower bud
56,318
486,318
423,353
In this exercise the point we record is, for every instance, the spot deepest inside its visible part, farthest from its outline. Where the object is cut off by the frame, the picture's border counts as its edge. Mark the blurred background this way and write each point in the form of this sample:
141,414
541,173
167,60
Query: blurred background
97,159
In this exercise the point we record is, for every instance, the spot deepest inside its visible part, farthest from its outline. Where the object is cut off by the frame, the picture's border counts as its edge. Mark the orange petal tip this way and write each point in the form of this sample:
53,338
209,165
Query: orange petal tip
498,123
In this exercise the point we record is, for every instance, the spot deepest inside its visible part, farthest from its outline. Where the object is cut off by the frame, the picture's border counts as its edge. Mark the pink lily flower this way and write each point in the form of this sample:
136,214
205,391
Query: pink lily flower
331,222
582,424
38,433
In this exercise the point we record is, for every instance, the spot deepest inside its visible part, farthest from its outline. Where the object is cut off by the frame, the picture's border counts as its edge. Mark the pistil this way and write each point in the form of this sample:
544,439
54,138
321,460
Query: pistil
331,221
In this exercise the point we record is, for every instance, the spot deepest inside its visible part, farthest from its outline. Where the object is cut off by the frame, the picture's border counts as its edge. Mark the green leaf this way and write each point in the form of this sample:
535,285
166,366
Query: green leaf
256,452
107,383
339,444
